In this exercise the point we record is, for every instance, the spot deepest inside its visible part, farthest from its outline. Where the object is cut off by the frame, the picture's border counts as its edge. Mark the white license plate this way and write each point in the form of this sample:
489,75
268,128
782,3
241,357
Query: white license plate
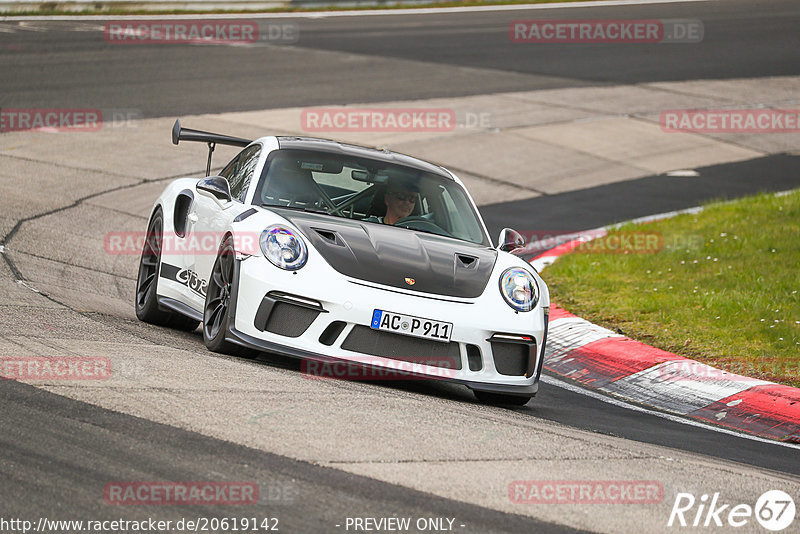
411,326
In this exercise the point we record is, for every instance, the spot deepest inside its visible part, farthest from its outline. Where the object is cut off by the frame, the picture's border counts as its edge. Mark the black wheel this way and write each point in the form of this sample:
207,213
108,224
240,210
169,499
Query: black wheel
147,309
216,312
501,399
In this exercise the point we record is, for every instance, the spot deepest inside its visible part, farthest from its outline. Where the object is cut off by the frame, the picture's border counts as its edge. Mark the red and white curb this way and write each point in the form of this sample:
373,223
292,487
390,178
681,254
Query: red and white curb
602,360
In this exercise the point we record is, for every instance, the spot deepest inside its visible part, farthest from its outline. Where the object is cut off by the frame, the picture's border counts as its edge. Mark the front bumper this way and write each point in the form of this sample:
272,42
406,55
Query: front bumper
337,316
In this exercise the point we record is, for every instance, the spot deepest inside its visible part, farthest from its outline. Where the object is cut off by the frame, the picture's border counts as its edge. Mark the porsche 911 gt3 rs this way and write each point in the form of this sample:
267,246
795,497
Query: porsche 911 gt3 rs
331,252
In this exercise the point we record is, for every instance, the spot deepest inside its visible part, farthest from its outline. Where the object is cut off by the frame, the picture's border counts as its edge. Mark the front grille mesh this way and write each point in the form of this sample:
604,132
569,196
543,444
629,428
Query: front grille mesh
365,340
290,320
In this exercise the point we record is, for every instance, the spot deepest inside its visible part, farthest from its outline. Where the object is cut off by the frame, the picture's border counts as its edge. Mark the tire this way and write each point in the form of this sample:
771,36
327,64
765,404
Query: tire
216,312
501,399
146,300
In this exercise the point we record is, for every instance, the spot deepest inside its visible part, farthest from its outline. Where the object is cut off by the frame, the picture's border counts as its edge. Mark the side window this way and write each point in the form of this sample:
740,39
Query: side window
456,203
240,178
230,168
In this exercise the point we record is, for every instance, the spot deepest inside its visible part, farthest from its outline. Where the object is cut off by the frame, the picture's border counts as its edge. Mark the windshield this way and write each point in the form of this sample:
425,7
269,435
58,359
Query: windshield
372,191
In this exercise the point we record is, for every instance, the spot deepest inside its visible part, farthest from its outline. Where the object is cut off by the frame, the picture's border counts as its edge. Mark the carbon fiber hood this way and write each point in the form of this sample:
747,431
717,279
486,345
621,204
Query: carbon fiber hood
389,255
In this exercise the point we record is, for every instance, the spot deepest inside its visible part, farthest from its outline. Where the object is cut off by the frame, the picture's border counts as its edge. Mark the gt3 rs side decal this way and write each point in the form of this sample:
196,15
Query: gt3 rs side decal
186,277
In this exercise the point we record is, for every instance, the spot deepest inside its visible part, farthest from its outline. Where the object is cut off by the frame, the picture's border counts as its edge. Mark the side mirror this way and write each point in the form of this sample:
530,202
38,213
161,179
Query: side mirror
216,186
510,240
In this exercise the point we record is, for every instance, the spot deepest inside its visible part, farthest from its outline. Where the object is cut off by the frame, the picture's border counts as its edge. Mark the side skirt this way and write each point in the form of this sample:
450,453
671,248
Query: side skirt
178,306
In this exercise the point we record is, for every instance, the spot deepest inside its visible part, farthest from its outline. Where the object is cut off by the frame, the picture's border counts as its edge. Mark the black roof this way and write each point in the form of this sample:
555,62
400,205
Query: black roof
335,147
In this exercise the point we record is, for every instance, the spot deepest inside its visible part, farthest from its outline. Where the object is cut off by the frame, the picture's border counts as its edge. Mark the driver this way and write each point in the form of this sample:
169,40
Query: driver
400,199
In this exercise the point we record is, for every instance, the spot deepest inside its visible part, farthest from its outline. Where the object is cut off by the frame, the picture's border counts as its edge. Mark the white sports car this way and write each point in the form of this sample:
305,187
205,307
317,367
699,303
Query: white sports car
336,253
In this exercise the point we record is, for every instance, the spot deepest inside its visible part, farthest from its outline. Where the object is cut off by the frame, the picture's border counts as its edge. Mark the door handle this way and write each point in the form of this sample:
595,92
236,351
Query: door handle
193,218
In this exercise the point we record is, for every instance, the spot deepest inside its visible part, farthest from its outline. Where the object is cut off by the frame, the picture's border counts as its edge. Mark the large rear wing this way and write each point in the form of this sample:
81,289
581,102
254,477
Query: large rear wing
185,134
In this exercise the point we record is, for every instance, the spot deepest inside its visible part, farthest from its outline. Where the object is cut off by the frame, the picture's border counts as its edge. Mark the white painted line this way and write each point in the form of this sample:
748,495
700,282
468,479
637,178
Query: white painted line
25,284
540,263
641,386
684,173
660,216
547,379
549,243
361,13
543,261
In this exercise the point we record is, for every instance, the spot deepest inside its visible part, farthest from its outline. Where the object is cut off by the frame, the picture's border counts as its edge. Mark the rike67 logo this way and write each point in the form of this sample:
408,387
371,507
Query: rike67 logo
774,510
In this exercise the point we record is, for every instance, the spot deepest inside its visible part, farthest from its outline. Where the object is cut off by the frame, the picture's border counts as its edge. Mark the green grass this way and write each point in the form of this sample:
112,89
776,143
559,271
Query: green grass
724,290
52,8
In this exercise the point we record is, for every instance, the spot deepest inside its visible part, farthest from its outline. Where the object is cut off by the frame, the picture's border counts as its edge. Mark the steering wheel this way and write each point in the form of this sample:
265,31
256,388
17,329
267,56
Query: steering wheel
415,222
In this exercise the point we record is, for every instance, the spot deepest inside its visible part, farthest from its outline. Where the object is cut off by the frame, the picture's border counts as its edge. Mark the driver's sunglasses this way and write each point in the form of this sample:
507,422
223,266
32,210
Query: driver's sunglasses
407,197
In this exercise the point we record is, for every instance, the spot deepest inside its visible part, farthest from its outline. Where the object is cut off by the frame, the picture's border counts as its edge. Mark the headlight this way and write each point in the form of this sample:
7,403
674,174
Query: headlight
283,248
519,289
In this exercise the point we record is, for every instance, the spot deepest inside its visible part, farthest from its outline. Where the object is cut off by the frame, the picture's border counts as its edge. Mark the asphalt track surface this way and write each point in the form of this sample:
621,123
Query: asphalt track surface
56,68
341,60
602,205
78,445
